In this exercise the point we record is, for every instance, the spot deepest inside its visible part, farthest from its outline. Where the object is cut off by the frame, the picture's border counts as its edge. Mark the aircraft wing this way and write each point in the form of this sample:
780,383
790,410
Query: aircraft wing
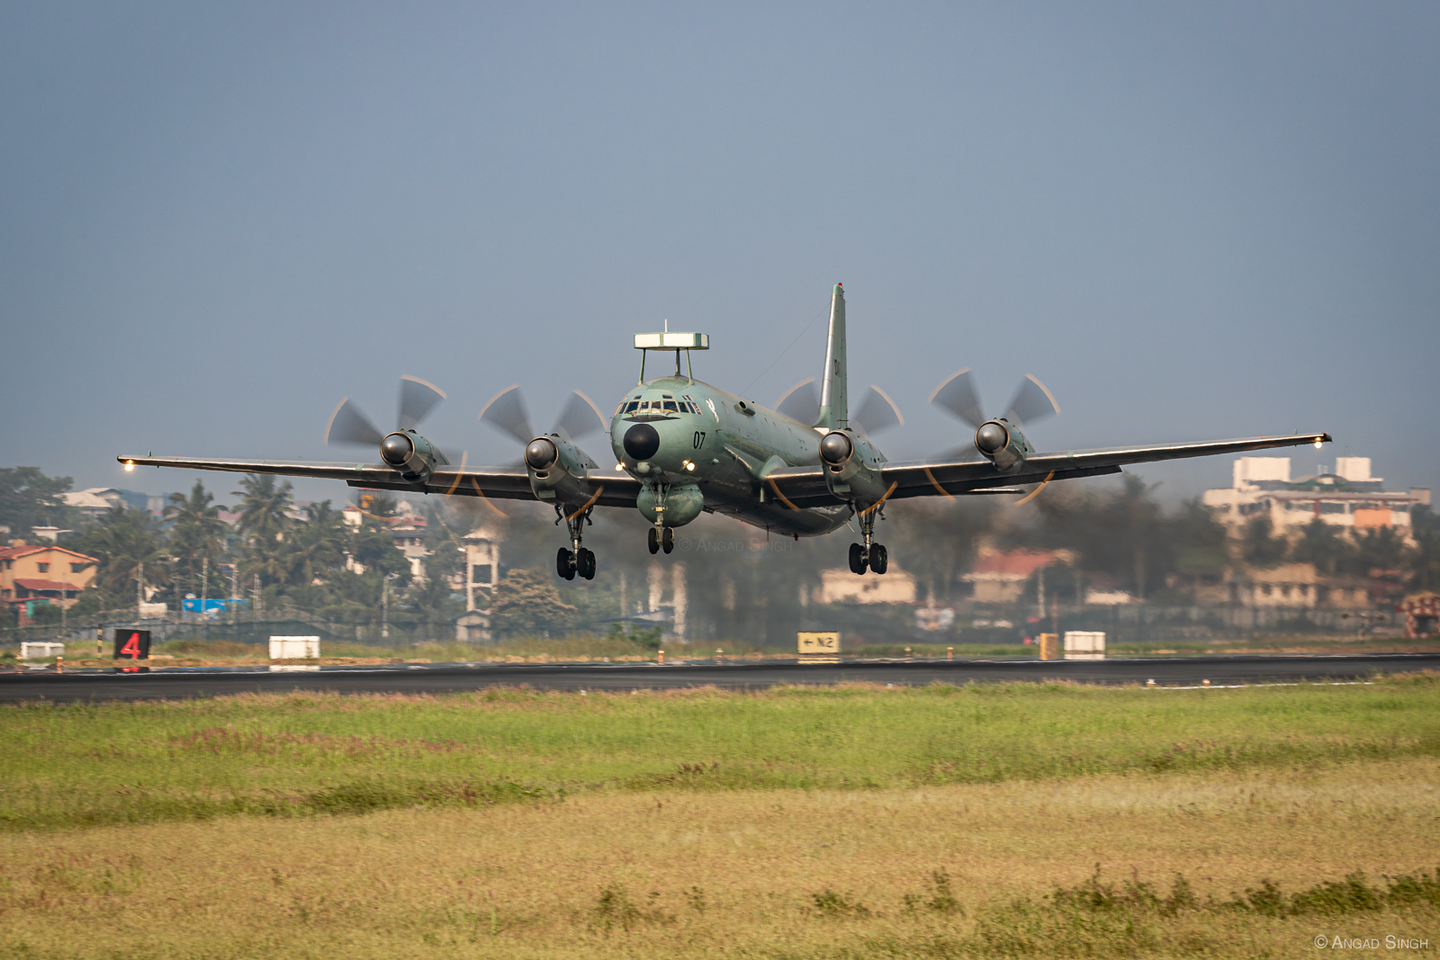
927,478
804,487
498,483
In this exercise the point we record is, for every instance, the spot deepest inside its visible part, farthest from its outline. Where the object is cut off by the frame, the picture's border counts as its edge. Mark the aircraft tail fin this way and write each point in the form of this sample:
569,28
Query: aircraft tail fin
834,407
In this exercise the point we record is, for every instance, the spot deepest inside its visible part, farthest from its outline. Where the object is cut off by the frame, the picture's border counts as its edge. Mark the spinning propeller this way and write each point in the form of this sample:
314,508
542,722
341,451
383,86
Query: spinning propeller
877,412
957,395
403,450
349,424
998,439
579,418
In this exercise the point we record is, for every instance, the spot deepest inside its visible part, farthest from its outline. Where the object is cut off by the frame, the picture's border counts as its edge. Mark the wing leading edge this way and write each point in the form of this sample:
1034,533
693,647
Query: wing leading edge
805,486
498,483
798,487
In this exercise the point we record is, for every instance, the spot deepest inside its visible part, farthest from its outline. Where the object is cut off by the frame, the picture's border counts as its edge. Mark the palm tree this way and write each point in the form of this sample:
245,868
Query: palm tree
1261,546
263,506
127,549
1425,559
1321,544
433,600
263,521
198,533
316,547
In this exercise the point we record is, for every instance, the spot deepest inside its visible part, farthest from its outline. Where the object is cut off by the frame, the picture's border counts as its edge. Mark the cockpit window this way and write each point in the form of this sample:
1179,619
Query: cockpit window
631,406
670,406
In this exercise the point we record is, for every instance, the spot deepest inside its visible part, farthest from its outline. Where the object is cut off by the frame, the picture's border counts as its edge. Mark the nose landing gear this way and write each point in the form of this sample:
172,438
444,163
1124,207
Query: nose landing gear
661,538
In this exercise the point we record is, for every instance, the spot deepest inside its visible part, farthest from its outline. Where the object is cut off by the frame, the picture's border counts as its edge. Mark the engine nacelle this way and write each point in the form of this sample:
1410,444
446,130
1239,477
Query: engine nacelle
836,449
1002,443
558,469
851,465
414,457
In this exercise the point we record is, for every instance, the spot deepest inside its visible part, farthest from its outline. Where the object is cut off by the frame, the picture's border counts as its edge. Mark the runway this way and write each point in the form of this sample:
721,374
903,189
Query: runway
1170,672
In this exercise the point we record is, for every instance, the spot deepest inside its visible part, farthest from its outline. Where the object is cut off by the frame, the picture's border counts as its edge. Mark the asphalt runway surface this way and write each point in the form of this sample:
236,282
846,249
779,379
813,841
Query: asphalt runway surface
187,683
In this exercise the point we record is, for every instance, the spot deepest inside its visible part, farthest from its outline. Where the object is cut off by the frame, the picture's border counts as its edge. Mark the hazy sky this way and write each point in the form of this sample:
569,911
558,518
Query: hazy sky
1191,221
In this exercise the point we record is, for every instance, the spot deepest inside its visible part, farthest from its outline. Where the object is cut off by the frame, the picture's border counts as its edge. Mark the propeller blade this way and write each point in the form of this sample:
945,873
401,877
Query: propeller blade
348,425
877,412
1032,402
579,418
801,402
464,457
417,398
506,412
959,396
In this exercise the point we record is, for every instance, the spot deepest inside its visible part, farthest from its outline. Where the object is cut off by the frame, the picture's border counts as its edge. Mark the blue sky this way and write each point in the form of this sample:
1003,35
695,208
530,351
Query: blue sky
1191,221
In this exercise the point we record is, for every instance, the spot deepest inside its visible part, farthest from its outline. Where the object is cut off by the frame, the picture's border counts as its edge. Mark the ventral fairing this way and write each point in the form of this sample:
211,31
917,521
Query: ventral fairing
680,447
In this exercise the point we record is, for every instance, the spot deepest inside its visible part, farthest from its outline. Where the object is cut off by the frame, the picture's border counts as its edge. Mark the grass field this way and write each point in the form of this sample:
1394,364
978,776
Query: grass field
842,822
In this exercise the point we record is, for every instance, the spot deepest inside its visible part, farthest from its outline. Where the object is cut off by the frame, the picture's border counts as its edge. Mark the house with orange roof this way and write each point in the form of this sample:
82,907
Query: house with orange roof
1001,577
39,574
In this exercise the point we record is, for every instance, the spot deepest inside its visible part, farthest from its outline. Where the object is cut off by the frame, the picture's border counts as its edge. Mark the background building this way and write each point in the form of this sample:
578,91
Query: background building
34,575
1346,497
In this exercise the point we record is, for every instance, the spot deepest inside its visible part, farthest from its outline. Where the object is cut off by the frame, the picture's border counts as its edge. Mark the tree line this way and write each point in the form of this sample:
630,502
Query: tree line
274,556
761,587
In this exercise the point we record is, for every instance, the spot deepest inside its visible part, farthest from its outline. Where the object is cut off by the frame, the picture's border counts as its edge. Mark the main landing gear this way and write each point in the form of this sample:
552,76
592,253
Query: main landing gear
871,554
658,540
575,559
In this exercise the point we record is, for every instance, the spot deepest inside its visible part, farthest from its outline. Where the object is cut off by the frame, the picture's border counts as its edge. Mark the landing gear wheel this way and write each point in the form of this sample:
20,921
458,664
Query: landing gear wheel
879,558
669,539
565,564
585,564
857,558
654,541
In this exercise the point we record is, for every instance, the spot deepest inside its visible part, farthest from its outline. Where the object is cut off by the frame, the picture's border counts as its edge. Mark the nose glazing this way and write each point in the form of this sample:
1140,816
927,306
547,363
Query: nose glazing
642,441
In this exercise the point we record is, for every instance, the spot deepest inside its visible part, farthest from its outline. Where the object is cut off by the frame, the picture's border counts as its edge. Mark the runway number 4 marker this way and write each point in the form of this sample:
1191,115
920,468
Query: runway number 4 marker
132,645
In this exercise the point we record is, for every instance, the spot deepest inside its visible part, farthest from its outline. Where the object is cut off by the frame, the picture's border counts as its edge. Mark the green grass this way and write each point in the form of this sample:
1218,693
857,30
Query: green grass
303,754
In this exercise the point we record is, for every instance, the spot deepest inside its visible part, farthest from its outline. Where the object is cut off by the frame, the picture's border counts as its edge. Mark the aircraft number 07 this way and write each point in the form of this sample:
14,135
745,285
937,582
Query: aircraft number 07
699,440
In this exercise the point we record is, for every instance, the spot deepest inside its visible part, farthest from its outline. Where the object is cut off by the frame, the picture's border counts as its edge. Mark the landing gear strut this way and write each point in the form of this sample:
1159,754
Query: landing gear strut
871,554
576,559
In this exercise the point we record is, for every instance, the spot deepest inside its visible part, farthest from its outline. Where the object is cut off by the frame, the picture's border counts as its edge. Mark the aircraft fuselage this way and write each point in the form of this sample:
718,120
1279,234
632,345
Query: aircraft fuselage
720,445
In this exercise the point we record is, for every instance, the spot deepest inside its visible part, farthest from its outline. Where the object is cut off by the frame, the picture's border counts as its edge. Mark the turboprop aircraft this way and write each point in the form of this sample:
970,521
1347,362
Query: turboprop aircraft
683,447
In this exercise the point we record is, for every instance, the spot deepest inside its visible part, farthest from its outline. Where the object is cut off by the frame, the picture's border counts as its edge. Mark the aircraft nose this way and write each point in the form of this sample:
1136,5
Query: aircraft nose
642,441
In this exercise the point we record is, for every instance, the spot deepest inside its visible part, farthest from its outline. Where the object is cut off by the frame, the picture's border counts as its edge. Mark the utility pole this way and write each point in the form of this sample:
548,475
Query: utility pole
204,588
140,592
385,607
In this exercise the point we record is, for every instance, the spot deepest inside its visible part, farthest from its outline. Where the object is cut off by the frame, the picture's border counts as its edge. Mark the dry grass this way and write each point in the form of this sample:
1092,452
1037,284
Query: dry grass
845,822
743,874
